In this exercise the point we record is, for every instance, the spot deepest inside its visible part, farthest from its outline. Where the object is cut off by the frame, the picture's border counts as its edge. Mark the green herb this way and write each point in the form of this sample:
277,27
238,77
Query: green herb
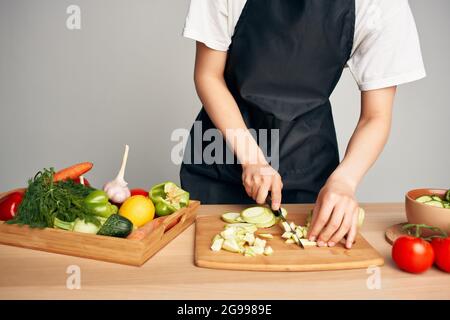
46,200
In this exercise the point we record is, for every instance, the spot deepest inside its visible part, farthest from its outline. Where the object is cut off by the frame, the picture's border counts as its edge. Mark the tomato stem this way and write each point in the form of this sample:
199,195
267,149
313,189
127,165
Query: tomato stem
418,231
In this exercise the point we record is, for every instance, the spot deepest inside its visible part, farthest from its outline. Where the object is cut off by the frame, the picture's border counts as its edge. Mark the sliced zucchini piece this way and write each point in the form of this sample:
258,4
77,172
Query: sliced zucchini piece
446,204
231,217
231,245
292,226
248,227
268,251
257,250
289,241
249,238
435,203
257,215
436,198
229,233
249,252
306,243
268,224
423,199
266,235
361,217
217,243
287,235
259,243
286,226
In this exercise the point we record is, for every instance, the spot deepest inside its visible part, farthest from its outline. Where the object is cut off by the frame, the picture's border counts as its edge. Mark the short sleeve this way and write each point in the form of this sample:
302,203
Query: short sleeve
207,22
386,46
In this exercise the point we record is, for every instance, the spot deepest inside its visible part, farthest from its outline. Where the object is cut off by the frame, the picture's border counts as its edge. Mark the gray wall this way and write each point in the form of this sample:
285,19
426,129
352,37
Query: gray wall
126,77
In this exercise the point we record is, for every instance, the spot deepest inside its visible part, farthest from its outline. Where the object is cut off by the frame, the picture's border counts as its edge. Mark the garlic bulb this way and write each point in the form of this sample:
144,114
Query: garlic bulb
117,189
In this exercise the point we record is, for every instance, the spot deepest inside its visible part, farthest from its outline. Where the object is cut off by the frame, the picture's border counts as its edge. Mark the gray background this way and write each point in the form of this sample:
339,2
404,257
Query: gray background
126,77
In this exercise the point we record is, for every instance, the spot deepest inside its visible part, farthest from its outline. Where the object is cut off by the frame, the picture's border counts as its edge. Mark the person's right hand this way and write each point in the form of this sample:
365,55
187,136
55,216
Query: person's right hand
258,180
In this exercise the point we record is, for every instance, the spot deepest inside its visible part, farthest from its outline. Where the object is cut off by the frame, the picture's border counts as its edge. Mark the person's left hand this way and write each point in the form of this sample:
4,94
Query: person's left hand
335,215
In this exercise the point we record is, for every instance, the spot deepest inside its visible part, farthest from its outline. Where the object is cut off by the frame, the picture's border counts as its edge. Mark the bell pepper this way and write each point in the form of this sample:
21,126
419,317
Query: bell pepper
97,203
10,204
168,198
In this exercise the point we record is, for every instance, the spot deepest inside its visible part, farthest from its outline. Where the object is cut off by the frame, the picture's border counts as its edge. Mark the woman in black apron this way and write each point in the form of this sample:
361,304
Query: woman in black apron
285,59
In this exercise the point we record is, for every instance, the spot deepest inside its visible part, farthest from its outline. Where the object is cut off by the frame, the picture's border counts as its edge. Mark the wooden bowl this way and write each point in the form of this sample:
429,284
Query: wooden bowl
419,213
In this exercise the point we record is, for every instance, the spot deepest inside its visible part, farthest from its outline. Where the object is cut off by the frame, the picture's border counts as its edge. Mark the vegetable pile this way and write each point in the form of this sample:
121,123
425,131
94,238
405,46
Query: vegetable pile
65,200
239,234
435,200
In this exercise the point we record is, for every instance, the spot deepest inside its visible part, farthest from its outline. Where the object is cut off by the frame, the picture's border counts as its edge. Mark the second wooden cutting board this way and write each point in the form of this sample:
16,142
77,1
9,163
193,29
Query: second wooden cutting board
285,257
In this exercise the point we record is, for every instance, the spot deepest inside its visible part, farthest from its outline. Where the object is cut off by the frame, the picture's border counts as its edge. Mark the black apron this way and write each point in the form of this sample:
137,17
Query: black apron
284,62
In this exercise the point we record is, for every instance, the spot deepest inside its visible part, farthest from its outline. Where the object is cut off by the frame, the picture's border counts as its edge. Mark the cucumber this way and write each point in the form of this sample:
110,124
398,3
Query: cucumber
435,203
423,199
248,227
116,226
231,217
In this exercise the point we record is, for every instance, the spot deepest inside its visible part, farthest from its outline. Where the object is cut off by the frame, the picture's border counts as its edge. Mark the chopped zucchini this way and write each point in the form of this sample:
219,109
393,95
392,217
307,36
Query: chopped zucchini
423,199
268,251
257,250
217,243
249,252
231,245
229,233
295,238
248,227
266,235
231,217
286,226
361,217
268,224
287,235
259,243
249,238
292,226
306,243
289,241
436,198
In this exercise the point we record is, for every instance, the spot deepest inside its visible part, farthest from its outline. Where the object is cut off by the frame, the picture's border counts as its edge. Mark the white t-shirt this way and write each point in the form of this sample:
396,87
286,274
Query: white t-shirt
386,50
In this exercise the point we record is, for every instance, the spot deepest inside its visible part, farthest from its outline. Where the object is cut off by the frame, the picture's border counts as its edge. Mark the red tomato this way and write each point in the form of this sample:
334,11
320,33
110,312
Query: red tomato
86,182
10,204
139,192
441,248
412,254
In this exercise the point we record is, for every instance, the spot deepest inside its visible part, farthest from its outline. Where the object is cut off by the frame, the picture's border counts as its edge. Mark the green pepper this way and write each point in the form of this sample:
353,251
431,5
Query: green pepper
97,203
168,198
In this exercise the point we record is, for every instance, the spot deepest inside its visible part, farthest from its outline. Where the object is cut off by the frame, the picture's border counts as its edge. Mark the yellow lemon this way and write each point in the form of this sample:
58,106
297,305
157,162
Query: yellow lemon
138,209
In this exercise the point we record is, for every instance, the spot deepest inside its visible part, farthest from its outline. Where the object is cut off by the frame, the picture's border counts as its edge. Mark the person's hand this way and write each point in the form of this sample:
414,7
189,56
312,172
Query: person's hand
259,179
335,215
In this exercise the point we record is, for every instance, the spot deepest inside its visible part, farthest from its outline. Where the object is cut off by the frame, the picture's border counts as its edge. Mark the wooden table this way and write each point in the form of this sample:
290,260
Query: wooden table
171,274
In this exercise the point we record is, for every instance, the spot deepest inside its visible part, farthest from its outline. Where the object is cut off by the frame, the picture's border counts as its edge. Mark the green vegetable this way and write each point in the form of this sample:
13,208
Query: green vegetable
232,217
435,203
262,217
116,226
168,198
85,227
98,204
423,199
64,225
447,195
45,200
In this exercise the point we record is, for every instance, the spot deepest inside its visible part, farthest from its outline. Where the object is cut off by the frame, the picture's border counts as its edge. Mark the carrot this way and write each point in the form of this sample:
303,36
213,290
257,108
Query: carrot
146,229
73,172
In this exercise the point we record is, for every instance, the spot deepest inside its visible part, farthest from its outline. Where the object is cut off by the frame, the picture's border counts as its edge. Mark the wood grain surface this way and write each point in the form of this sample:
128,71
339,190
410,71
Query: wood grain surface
285,257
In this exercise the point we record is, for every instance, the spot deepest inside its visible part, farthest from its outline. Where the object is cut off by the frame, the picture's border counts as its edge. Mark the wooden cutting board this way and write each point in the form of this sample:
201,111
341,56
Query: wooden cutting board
286,257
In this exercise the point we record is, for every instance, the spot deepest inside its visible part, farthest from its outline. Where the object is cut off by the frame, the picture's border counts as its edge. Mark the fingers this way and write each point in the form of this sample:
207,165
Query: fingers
263,190
276,193
321,218
343,229
353,230
332,226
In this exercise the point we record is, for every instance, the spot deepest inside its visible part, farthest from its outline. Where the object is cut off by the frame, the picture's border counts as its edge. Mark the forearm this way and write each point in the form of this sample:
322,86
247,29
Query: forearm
226,116
368,139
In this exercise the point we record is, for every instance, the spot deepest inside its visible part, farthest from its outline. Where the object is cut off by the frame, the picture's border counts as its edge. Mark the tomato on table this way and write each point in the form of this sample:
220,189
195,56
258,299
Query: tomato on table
139,192
441,248
412,254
